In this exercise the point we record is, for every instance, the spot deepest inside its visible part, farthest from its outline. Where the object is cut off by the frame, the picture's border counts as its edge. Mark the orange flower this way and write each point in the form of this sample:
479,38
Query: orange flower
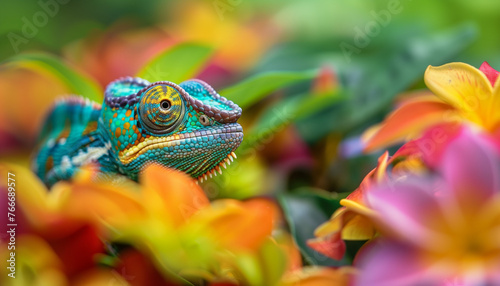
170,220
59,235
320,276
463,94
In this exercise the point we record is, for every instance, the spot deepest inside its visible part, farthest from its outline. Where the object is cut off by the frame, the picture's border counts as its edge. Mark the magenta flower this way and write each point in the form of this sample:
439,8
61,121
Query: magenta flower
442,229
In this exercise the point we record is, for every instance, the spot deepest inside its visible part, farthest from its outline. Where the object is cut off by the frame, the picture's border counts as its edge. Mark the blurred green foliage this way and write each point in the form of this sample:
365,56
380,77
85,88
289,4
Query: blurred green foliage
320,22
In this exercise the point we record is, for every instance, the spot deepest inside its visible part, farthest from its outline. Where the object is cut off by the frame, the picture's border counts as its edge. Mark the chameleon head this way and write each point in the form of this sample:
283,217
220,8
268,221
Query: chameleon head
188,127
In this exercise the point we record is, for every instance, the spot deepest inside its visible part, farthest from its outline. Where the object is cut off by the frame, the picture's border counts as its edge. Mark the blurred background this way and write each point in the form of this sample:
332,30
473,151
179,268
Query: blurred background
311,76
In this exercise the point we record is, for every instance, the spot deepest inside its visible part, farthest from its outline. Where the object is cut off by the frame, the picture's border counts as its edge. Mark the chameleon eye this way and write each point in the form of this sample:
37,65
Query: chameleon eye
204,120
161,108
165,104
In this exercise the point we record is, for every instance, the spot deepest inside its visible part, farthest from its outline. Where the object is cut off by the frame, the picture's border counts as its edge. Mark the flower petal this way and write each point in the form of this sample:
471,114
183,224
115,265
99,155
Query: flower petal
409,119
390,264
495,106
489,72
331,245
171,194
229,222
345,223
36,262
375,176
358,227
139,268
286,242
34,203
470,167
430,146
98,202
399,206
319,276
464,87
333,225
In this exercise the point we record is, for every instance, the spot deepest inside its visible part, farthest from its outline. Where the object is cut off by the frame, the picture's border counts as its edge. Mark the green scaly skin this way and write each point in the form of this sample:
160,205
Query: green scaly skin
188,127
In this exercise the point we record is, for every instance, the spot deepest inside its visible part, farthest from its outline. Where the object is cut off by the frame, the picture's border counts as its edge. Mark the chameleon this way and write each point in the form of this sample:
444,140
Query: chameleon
188,127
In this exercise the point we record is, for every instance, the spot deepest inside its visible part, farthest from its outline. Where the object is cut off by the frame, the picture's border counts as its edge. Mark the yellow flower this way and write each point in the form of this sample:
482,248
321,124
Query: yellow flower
57,236
167,217
320,276
171,221
462,93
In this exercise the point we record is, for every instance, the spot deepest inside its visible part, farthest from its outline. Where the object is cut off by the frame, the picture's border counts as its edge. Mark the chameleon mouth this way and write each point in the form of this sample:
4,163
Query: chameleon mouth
218,168
201,153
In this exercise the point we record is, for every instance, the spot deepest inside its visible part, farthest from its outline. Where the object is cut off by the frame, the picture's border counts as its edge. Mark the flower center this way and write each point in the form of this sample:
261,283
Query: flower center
466,238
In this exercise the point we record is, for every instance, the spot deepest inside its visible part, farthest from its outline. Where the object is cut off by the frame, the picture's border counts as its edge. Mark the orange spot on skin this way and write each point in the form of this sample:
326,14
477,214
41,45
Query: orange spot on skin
92,126
111,120
123,118
115,115
131,119
49,164
63,134
119,144
128,113
118,132
126,125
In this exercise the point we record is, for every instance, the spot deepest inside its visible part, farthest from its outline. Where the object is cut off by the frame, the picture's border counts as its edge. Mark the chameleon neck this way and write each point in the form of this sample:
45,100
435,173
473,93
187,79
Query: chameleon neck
71,138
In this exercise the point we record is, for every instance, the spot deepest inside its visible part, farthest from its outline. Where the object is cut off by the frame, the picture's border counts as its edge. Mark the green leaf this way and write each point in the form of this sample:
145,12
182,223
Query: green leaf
376,79
287,111
177,64
255,88
76,82
304,211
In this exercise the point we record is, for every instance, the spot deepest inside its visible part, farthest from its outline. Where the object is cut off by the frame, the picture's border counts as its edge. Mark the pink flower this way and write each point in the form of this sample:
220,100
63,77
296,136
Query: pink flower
441,229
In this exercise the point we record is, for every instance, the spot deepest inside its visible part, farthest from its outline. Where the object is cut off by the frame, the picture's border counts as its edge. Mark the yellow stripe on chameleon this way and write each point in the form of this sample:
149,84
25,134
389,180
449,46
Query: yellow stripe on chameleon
128,155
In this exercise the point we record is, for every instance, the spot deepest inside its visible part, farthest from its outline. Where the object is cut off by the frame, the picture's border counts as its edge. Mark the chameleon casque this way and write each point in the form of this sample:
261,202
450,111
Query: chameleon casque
188,127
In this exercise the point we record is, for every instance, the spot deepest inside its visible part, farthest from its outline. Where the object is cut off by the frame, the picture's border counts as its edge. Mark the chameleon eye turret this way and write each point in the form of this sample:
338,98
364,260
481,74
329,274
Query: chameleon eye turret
204,120
161,108
188,127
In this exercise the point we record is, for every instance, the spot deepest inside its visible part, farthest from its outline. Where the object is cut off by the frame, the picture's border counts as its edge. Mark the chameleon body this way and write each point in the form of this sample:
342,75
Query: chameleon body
188,127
